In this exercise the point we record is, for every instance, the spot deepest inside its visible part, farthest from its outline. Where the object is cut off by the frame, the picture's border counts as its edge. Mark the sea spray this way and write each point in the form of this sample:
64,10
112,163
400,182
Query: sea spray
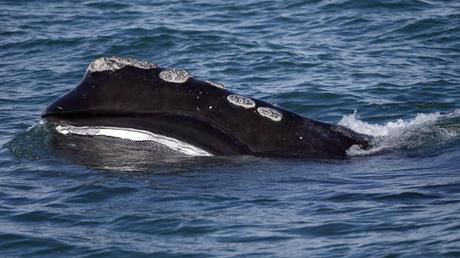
422,130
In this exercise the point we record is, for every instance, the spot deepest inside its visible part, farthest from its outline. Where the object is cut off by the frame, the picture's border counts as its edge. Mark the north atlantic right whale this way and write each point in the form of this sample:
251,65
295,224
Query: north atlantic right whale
139,101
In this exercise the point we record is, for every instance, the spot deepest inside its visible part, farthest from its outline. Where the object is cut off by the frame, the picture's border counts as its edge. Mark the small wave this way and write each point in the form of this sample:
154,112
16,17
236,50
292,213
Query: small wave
31,144
391,5
422,130
407,196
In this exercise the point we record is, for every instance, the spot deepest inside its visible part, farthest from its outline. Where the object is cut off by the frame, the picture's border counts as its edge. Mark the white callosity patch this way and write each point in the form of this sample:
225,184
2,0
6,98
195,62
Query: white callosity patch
134,135
270,113
241,101
114,63
216,84
174,76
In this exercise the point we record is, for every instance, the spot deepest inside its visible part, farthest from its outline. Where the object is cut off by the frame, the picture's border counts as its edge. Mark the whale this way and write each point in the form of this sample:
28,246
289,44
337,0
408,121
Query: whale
140,102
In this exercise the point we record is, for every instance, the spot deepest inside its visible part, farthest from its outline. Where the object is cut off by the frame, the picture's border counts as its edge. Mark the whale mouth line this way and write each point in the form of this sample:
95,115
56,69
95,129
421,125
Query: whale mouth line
132,134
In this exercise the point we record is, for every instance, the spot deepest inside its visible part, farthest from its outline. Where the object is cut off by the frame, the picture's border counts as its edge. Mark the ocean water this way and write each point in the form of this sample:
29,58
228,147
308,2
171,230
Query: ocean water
387,68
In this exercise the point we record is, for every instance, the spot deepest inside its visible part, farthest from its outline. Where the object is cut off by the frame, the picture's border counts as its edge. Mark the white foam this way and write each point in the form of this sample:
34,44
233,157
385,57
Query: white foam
270,113
134,135
241,101
401,133
114,63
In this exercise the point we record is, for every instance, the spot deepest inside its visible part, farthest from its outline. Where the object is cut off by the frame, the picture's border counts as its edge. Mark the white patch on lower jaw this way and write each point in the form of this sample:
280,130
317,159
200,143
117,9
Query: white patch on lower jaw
134,135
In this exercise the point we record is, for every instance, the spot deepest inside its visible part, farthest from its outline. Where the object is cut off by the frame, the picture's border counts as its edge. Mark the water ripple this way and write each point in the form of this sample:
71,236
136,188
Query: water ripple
387,68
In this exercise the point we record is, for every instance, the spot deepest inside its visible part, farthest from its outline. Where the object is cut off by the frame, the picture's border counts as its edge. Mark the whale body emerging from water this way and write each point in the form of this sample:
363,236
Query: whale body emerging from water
141,102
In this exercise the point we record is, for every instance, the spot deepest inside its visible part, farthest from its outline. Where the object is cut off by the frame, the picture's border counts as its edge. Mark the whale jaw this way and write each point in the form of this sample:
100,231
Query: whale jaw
165,143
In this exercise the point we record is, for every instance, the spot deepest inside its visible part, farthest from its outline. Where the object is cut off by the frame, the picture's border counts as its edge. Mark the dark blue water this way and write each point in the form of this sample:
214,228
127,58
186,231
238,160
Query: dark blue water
388,68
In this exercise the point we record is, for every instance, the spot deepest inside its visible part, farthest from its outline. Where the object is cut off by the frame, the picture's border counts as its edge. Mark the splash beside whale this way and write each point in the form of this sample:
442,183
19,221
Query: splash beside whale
141,102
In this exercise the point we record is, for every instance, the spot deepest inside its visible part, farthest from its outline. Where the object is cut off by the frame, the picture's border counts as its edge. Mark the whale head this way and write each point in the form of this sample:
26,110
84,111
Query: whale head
140,101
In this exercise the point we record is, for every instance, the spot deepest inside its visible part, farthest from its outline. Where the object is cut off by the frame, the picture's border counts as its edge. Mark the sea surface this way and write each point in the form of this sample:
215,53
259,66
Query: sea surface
387,68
